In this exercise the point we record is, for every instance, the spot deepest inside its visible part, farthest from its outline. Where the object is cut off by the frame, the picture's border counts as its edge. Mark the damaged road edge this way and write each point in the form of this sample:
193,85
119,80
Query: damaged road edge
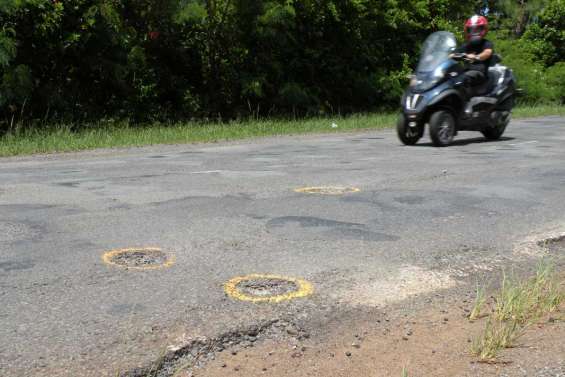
195,352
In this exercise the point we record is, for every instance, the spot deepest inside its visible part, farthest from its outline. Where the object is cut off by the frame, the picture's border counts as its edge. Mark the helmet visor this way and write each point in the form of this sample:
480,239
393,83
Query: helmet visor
476,30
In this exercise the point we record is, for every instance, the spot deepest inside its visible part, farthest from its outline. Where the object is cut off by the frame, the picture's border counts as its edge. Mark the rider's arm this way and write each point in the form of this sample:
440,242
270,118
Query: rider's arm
485,55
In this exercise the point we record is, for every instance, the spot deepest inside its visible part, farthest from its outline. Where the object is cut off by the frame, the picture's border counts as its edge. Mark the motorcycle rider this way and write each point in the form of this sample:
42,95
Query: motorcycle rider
478,51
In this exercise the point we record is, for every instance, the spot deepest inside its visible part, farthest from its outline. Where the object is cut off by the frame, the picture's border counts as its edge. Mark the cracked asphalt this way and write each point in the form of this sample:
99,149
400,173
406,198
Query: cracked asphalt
425,220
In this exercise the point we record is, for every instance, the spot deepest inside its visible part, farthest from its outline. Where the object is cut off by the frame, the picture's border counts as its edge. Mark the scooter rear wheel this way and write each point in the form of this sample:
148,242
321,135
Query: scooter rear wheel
495,132
408,135
499,123
442,128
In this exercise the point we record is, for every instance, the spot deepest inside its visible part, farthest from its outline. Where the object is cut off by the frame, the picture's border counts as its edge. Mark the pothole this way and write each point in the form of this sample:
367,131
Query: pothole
148,258
12,231
542,243
327,190
267,288
555,244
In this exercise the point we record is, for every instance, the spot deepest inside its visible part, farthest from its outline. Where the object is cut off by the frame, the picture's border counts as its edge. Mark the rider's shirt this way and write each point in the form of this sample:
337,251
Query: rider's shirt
477,48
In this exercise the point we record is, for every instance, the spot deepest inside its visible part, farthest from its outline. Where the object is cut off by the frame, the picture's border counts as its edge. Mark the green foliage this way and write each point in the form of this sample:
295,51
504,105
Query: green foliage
528,68
151,60
555,76
279,14
549,32
292,96
8,6
190,12
7,48
519,13
528,72
16,85
541,48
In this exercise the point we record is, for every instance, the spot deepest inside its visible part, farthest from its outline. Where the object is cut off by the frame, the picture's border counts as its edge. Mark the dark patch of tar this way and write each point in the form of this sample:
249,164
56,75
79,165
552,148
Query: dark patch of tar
65,172
372,198
121,206
122,309
191,152
361,235
68,184
25,207
333,229
308,222
410,199
256,217
16,266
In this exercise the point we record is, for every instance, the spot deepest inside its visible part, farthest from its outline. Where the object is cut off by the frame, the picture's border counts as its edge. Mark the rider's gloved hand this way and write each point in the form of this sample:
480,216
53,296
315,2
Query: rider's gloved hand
472,57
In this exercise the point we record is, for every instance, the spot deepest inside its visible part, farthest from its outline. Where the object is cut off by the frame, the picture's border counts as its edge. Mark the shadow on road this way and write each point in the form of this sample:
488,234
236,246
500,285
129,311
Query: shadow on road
461,142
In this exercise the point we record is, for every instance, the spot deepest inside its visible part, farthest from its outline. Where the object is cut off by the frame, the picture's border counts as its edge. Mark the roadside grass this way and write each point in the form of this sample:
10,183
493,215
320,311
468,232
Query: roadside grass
479,303
158,364
184,368
530,111
496,336
527,301
114,134
61,138
517,305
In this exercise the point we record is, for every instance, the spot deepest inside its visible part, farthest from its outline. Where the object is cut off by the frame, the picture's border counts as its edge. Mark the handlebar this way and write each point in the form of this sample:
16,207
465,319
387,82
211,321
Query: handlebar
461,56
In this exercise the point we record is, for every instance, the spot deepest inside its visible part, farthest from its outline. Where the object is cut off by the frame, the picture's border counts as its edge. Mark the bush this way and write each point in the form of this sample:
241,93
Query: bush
531,74
549,32
556,80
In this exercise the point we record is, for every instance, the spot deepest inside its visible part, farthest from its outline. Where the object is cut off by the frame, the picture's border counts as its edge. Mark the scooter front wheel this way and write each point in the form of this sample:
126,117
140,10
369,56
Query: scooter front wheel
442,128
408,135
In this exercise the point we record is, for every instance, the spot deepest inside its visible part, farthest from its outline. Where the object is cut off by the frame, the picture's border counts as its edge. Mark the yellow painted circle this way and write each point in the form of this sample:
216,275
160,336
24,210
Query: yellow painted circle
304,289
109,256
327,190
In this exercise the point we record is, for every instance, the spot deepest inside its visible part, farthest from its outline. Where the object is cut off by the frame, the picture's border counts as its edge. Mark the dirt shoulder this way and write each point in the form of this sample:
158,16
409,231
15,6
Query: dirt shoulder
426,343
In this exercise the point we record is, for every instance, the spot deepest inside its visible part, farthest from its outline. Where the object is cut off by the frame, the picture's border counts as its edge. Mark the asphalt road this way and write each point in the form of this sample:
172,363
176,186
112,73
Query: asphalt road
423,219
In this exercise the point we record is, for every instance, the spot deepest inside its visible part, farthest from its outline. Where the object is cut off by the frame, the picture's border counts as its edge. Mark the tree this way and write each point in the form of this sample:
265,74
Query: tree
520,13
547,34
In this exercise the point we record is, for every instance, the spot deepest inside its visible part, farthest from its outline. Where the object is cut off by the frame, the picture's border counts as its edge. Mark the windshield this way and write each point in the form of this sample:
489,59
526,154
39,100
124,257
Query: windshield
436,50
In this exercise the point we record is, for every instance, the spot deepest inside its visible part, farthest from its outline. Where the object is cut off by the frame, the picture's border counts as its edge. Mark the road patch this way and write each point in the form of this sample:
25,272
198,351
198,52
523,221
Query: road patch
267,288
406,282
14,231
327,190
141,258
